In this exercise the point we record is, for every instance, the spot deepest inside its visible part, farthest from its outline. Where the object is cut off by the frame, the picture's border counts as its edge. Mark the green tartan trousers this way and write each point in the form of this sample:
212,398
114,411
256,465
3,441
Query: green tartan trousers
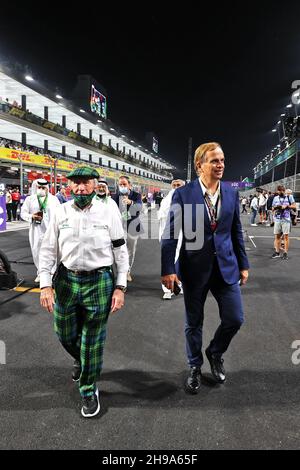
82,305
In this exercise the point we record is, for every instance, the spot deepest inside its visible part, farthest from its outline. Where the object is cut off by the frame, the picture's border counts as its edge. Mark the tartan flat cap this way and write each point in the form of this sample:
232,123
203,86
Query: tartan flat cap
83,172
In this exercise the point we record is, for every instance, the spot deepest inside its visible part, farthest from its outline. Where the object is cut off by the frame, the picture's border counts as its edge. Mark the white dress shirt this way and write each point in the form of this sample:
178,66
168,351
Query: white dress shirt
162,216
213,198
82,240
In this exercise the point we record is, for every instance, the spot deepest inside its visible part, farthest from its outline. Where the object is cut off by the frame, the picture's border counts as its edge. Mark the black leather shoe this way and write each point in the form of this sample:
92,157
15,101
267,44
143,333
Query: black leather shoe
193,382
76,371
216,365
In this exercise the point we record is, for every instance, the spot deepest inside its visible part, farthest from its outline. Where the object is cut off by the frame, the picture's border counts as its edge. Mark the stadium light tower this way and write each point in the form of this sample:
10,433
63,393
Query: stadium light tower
21,172
289,106
189,167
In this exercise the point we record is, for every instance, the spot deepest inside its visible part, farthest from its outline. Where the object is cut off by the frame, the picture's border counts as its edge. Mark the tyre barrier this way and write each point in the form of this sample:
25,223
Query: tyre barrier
8,278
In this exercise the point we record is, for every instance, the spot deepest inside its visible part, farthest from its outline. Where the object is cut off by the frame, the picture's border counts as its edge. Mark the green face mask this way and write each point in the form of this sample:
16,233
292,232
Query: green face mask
82,200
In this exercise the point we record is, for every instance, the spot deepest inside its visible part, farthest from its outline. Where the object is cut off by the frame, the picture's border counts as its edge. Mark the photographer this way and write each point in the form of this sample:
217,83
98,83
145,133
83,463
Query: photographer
282,206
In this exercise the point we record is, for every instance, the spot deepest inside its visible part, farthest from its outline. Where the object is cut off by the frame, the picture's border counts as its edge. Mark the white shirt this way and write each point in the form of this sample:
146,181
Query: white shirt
8,198
82,240
262,200
163,212
162,216
213,198
254,203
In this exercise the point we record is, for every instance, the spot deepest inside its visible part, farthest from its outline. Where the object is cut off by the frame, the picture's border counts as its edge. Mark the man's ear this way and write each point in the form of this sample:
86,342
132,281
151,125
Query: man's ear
198,169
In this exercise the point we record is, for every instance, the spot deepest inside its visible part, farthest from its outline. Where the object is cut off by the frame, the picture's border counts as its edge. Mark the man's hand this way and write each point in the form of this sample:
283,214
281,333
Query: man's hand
127,201
168,281
36,216
117,301
244,277
47,299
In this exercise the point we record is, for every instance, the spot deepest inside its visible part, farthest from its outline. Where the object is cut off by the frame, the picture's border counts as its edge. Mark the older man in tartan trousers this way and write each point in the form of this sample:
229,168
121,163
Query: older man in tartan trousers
85,237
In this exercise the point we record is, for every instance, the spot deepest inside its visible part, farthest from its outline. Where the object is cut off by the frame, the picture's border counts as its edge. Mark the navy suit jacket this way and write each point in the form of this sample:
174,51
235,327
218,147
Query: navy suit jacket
226,242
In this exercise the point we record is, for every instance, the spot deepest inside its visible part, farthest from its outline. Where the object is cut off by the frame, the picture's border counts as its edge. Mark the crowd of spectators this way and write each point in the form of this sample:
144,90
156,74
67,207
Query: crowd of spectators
10,144
14,201
261,204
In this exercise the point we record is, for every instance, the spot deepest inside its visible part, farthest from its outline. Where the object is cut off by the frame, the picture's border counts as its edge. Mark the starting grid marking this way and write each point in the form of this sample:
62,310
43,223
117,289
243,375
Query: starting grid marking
267,236
270,236
34,290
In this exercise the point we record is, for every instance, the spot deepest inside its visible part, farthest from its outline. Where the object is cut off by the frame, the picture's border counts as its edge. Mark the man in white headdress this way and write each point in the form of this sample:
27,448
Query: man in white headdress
38,209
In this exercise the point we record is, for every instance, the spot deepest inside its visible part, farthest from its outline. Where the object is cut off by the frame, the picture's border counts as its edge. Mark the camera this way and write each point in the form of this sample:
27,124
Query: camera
38,222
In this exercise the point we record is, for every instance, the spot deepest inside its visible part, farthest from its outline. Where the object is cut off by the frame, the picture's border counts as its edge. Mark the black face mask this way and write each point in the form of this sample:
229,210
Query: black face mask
281,194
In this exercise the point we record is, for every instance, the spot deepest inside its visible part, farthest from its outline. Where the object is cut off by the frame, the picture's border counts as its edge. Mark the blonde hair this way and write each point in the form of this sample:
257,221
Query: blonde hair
201,151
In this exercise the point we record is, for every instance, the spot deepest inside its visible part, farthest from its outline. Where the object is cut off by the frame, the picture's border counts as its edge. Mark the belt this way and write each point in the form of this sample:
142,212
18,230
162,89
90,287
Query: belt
102,269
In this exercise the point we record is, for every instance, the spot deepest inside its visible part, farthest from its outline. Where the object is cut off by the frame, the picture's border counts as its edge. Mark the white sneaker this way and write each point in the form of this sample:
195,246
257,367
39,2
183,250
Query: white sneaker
129,278
253,225
37,279
167,295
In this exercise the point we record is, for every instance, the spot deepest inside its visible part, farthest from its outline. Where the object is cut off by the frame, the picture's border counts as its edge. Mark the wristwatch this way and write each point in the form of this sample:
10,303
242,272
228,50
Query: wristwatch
122,288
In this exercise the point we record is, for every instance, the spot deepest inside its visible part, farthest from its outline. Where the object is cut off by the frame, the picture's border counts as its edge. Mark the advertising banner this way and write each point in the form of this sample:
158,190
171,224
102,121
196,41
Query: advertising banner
241,185
32,159
44,161
2,209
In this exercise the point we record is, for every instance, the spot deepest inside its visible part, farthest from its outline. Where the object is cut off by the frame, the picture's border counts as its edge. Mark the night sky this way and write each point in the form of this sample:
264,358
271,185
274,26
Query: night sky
221,73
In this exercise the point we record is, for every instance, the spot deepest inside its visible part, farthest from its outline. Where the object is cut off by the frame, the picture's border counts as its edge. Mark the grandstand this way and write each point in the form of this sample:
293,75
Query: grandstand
283,168
44,134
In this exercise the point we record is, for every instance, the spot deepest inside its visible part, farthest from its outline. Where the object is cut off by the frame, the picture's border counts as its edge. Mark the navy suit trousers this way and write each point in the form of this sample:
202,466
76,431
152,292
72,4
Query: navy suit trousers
231,314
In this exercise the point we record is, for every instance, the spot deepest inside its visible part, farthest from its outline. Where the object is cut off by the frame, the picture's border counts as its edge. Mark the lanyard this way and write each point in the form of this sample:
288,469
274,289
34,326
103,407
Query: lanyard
43,204
213,210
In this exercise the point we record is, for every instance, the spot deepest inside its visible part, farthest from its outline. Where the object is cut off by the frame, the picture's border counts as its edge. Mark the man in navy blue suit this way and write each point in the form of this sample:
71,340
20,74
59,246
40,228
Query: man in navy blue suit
212,258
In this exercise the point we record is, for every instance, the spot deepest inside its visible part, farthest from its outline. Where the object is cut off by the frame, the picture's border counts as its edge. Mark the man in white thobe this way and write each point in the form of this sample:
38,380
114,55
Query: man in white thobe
38,209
